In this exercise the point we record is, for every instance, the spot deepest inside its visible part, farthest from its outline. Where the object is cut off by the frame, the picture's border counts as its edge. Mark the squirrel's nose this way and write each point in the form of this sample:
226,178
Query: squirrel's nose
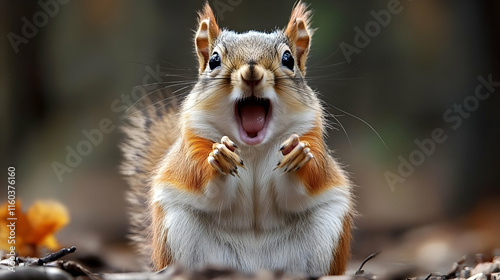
252,75
252,82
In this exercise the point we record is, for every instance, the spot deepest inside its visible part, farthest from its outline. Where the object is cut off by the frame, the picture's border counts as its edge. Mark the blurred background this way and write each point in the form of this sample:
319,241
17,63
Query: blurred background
68,65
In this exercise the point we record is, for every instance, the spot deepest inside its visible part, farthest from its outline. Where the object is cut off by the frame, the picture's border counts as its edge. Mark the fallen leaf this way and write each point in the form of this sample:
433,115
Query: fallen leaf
35,229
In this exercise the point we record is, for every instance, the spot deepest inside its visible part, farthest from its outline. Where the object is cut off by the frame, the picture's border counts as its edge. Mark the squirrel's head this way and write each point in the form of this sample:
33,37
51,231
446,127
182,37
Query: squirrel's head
251,85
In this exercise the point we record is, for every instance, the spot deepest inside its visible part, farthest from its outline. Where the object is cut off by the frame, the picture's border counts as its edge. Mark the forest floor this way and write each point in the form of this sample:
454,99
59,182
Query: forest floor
54,266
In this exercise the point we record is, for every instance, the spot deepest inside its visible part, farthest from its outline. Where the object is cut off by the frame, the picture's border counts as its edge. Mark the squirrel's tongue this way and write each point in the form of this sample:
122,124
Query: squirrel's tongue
253,118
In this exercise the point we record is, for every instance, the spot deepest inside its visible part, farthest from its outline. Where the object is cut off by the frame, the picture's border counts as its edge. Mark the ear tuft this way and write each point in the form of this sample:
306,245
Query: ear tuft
207,13
299,33
208,31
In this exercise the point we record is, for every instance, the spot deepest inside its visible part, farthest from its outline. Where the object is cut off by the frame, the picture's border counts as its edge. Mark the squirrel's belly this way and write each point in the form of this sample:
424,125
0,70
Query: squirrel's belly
301,246
255,221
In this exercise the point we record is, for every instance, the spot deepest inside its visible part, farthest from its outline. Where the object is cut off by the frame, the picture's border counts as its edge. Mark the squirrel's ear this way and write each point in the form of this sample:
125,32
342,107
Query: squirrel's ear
299,34
208,30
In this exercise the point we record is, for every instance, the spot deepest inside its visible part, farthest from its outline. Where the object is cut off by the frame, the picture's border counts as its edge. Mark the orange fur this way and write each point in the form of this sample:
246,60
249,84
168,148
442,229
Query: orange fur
189,169
321,172
342,253
161,255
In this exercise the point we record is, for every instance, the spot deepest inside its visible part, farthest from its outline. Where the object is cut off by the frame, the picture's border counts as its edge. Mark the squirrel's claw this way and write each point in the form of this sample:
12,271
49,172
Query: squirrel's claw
213,162
289,144
229,144
224,159
296,154
303,162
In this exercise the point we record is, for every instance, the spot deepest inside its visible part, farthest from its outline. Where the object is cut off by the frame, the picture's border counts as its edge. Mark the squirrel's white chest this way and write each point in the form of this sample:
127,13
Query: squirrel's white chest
262,218
303,243
254,197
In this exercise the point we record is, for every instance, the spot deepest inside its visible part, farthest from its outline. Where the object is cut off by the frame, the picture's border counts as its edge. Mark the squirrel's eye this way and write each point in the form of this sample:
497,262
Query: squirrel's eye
214,61
287,60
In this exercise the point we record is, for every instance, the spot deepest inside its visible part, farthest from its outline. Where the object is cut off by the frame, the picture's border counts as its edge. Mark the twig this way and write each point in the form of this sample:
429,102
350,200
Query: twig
55,256
360,269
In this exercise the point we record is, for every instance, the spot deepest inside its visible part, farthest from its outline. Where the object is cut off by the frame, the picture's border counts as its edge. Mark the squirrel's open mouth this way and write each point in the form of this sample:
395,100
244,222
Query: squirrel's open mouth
253,115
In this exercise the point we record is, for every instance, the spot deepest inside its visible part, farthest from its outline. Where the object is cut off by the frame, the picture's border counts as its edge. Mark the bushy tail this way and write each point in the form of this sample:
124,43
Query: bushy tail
150,130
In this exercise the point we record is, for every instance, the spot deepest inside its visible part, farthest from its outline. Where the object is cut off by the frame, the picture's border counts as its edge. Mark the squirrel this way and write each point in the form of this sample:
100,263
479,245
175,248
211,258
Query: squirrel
239,174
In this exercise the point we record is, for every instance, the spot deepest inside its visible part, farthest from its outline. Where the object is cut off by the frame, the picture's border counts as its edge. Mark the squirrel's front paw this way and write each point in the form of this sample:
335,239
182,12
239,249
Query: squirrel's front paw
223,157
296,154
